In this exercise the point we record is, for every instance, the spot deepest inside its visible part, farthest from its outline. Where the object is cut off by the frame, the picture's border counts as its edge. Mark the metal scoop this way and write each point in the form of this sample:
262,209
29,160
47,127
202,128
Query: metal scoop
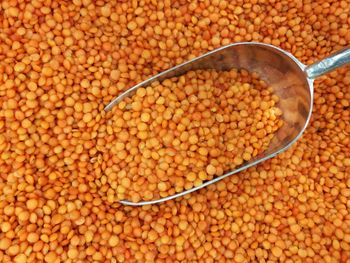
290,79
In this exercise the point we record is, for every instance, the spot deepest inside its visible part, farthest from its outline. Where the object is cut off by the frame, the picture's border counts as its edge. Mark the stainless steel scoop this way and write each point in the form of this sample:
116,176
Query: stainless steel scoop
290,79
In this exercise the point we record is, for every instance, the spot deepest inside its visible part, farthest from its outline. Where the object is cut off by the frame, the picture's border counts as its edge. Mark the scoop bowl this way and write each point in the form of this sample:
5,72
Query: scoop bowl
291,81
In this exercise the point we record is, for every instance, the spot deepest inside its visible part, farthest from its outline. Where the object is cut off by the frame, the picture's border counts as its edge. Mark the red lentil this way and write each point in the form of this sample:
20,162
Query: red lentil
187,114
89,51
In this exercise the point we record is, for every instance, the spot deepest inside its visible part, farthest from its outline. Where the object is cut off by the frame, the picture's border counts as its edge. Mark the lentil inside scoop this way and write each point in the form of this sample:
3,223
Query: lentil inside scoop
174,135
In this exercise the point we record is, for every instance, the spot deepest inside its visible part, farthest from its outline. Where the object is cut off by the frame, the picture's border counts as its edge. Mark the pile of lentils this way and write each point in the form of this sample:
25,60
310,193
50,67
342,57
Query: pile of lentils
62,61
174,135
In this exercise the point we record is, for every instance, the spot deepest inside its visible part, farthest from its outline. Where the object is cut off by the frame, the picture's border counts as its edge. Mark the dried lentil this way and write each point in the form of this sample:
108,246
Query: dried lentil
47,151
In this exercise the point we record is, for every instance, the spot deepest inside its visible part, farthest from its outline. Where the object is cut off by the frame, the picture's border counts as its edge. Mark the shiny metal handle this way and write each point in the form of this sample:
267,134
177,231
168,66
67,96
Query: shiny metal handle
330,63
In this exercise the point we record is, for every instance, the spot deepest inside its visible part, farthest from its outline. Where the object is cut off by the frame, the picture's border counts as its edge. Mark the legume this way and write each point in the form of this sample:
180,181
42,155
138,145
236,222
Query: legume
54,151
187,130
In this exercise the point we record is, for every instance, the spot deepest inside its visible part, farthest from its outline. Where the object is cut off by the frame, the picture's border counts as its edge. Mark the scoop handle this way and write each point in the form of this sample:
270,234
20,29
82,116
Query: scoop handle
329,63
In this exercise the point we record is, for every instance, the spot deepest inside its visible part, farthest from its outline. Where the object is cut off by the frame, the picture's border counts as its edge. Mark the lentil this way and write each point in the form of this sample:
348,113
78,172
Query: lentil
207,114
84,50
